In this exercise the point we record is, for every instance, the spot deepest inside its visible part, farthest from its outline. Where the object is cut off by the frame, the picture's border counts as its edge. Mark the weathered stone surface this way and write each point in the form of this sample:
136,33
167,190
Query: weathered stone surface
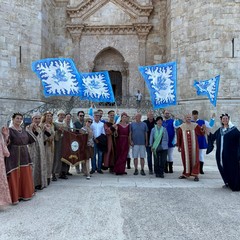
201,36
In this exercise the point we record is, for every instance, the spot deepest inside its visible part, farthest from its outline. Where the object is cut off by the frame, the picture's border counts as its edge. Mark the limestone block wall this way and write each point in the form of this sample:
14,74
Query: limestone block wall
63,46
156,43
127,45
20,41
199,37
26,36
48,33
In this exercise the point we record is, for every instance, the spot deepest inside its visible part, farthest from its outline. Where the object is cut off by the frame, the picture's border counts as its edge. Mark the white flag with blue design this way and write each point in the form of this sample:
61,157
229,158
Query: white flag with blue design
59,76
161,81
209,88
96,87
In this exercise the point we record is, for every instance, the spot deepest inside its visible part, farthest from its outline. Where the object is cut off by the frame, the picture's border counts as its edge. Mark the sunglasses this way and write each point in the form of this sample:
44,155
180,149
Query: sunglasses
81,115
89,121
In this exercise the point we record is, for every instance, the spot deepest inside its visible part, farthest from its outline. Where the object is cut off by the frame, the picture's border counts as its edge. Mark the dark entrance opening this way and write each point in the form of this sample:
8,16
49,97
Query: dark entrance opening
116,81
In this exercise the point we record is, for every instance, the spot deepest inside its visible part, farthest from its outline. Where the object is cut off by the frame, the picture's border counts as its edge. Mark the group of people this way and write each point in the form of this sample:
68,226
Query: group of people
31,157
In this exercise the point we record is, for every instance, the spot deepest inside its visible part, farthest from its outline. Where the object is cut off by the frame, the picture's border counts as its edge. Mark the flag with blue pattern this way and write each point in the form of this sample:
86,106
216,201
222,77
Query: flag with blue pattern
209,88
96,87
161,81
59,76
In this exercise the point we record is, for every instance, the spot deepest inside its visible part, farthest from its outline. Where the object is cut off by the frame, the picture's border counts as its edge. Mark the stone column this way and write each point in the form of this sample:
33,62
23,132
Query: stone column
76,33
125,80
142,31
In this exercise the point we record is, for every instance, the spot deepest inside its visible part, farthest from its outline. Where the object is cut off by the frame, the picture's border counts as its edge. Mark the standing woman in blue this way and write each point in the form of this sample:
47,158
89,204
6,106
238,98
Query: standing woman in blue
227,153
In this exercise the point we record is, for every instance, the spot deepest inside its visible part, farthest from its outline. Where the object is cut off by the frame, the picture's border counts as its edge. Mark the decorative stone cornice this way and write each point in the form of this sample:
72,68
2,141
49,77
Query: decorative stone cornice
76,30
90,6
142,30
140,10
107,29
78,14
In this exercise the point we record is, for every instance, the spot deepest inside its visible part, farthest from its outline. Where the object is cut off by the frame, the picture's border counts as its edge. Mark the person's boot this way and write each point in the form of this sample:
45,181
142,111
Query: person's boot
170,167
166,167
63,176
54,178
201,168
48,181
128,163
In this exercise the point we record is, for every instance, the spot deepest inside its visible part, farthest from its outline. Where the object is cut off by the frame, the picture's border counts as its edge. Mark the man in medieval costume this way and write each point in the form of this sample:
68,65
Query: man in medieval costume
187,143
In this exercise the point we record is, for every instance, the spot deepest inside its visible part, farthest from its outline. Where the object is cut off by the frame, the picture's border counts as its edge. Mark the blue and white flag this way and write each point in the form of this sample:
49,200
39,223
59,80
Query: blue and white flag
96,87
161,80
59,76
209,88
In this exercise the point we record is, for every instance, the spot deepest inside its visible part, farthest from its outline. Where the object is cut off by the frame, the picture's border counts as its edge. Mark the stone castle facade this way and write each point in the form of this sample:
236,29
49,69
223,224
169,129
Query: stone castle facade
118,36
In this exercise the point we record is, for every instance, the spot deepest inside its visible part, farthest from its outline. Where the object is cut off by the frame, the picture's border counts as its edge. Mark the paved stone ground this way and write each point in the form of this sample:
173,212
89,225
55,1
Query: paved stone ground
128,207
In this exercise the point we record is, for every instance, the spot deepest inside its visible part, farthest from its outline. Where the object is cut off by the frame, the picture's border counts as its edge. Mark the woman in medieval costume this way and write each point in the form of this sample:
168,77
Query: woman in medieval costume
37,152
227,153
90,147
109,155
122,144
47,122
19,164
5,197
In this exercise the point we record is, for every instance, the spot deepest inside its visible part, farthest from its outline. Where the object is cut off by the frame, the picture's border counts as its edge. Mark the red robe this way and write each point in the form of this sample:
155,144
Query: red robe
109,156
122,148
188,143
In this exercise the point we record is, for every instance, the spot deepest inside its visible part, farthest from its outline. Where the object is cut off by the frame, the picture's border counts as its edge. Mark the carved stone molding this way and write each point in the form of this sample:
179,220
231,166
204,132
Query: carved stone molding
90,6
106,30
75,31
138,13
142,30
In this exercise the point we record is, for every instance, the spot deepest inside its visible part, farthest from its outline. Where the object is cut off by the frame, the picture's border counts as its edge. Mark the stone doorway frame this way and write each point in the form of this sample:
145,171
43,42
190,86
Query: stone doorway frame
121,67
139,27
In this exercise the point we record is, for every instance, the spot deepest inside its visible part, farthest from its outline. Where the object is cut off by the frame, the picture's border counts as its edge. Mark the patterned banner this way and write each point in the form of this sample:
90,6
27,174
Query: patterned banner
74,148
96,87
59,76
161,80
208,87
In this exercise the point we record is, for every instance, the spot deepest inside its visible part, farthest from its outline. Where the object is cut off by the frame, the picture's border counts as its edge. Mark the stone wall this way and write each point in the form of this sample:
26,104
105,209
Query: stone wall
199,37
197,34
127,45
20,42
156,43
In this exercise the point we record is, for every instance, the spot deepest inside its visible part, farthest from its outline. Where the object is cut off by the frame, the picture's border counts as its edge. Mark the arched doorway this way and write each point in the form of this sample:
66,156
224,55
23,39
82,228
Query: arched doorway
116,80
112,61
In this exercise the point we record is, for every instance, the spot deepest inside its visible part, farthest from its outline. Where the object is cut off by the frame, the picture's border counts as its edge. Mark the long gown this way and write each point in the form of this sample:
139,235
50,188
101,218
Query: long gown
187,140
38,156
5,197
19,166
227,155
122,148
49,150
109,156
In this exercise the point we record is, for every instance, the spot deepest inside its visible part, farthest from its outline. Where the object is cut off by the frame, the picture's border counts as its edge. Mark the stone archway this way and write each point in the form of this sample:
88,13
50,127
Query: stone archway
111,60
124,25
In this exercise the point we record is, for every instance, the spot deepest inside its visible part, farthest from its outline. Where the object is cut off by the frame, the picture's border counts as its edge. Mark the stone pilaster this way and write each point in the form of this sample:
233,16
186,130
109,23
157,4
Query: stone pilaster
142,32
76,33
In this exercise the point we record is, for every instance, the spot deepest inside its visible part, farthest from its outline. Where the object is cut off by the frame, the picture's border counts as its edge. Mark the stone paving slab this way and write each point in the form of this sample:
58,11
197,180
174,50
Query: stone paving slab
128,207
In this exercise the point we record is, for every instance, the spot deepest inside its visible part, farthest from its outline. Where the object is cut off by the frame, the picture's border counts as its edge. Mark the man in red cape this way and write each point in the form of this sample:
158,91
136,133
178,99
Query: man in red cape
187,143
